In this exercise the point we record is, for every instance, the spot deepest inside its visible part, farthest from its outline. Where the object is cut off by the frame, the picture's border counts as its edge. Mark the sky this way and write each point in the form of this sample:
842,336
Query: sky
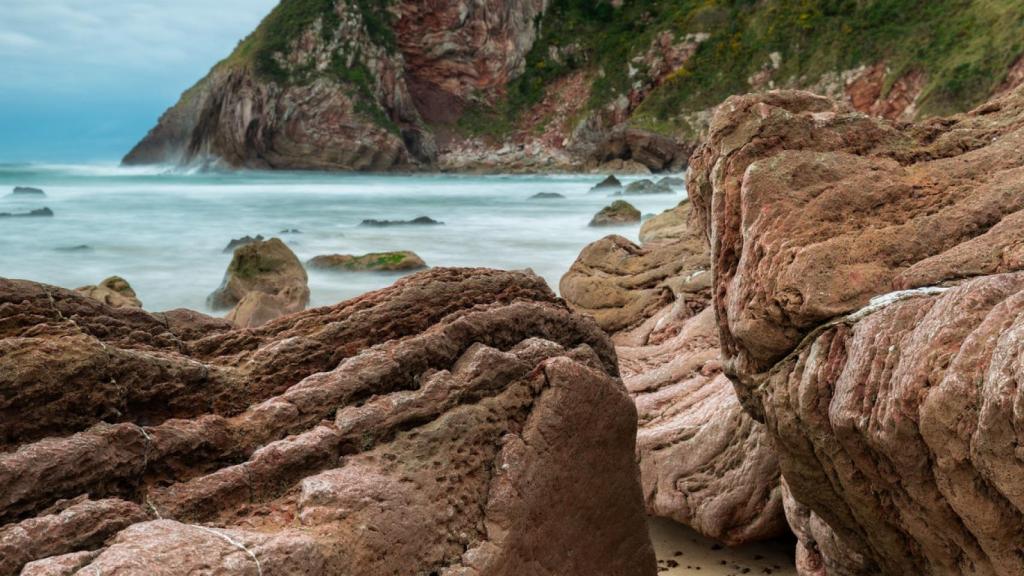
84,80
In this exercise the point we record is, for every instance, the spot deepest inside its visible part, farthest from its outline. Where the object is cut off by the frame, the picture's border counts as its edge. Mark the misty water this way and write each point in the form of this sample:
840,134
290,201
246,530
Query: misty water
165,231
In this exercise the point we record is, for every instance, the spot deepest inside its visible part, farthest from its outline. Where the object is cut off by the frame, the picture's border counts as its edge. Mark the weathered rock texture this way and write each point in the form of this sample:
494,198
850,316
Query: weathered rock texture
867,286
703,461
460,422
114,291
403,261
615,214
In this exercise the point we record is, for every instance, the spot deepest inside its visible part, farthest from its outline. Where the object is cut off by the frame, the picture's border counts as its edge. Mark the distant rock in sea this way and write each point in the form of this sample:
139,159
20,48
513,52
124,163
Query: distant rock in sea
27,191
45,212
375,262
546,196
618,212
648,187
237,242
290,231
608,184
421,221
78,248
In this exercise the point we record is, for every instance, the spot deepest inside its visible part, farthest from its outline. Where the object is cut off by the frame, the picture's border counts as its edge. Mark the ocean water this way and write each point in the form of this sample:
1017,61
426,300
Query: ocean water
165,231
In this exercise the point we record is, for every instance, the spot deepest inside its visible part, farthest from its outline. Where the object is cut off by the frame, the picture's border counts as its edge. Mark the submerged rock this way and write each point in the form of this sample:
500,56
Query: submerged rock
609,184
617,213
269,267
546,196
467,416
421,221
77,248
646,186
237,242
114,291
374,262
27,191
869,290
43,212
290,231
703,461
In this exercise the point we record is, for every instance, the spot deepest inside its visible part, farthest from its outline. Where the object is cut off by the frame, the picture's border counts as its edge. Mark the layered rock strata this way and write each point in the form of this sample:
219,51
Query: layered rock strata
868,287
703,461
459,422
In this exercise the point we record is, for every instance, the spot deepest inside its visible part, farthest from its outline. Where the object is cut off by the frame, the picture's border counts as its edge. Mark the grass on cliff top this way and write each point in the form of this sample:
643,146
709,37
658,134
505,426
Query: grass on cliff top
963,46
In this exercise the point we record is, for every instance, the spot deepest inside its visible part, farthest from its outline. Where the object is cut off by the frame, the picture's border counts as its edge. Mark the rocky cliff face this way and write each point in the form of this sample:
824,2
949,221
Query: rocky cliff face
542,85
868,285
460,422
703,461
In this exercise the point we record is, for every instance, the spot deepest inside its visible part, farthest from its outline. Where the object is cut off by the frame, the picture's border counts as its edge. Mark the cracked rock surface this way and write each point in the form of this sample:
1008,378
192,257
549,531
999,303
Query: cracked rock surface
869,295
704,462
460,422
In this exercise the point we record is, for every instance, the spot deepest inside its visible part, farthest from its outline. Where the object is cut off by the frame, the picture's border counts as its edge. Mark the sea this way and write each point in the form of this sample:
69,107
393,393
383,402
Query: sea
165,230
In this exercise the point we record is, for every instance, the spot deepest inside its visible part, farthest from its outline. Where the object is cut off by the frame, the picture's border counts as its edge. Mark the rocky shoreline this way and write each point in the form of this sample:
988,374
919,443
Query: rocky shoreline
821,341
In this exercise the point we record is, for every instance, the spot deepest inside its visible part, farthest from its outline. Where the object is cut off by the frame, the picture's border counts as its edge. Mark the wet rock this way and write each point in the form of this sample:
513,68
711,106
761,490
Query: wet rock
617,213
290,231
420,221
78,248
468,416
238,242
546,196
114,291
703,461
672,182
27,191
868,290
645,186
269,267
43,212
609,184
374,262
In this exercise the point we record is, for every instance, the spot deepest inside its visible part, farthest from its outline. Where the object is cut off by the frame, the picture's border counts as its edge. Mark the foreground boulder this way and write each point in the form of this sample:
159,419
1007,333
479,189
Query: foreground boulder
403,261
615,214
459,422
868,290
114,291
703,461
267,277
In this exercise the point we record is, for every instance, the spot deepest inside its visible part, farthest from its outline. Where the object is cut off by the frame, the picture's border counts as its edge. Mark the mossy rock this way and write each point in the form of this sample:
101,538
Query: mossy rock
402,261
617,213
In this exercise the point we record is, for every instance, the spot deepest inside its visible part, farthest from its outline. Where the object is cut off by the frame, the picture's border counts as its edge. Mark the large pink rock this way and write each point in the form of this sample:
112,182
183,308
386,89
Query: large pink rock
866,286
703,461
459,422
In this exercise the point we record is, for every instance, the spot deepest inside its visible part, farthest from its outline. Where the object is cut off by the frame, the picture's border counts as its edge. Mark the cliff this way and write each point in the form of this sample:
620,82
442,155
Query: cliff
522,85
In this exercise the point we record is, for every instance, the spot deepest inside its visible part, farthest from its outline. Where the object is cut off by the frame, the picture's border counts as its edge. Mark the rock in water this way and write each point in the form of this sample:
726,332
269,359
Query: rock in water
703,461
420,221
609,184
44,212
670,224
238,242
617,213
546,196
27,191
648,187
114,291
467,416
869,292
269,267
373,262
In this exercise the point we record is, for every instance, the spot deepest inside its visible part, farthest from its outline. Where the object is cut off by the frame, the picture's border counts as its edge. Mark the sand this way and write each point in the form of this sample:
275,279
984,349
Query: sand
680,550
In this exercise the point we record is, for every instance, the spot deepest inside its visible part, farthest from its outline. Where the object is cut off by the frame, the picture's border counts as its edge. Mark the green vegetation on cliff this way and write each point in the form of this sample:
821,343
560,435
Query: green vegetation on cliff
963,47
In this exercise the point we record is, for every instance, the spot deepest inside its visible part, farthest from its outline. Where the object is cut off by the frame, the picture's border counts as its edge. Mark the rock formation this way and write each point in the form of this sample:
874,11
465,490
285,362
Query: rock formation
114,291
27,191
40,212
403,261
264,280
868,287
703,461
418,221
459,422
615,214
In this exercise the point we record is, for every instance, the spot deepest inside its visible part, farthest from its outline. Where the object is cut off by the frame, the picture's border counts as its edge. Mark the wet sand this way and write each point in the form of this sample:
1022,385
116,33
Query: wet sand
680,550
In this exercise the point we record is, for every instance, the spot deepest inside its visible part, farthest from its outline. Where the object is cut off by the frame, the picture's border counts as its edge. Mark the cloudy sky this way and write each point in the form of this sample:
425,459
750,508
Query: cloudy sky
83,80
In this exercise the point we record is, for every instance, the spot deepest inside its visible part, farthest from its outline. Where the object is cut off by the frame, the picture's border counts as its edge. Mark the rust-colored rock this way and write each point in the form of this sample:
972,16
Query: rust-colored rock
703,461
867,286
459,422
